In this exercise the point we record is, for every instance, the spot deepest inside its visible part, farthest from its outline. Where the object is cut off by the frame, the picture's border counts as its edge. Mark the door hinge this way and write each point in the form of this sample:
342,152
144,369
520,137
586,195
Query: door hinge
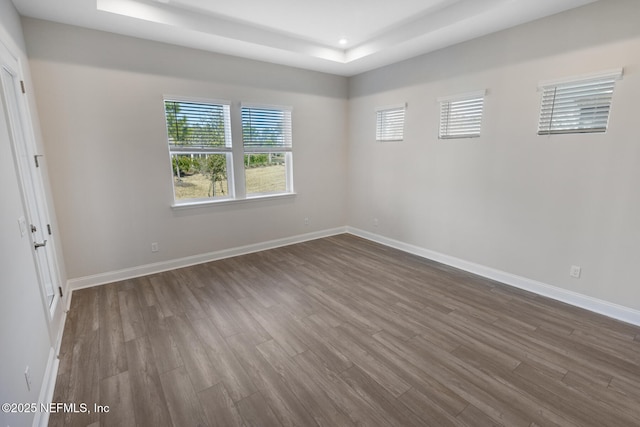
49,229
60,290
35,158
22,86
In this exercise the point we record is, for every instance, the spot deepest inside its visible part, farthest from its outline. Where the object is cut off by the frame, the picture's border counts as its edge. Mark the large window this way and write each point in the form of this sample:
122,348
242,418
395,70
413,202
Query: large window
199,137
200,147
267,141
461,115
578,106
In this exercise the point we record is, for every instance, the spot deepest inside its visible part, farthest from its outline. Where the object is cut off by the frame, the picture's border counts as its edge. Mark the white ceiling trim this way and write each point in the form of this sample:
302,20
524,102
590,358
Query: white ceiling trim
435,24
165,14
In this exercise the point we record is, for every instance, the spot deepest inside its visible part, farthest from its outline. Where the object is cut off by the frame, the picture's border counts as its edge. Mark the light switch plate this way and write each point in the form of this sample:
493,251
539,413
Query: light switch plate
575,271
23,226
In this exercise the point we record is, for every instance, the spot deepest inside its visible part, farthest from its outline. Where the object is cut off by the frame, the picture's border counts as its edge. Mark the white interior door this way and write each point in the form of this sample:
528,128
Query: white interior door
17,132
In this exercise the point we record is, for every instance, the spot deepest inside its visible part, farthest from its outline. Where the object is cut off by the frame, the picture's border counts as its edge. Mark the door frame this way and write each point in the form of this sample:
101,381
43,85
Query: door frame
21,129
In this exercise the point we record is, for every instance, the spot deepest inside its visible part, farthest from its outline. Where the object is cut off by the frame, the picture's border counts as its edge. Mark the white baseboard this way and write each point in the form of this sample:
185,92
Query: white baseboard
41,419
605,308
143,270
595,305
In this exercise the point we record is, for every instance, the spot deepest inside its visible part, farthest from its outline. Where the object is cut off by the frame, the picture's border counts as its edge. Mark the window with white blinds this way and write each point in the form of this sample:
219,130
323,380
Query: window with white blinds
199,138
196,126
461,115
267,139
390,123
266,127
578,106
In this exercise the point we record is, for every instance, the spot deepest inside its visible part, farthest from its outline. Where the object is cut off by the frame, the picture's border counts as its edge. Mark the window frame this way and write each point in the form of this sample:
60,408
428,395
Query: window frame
387,129
285,148
226,150
473,126
596,99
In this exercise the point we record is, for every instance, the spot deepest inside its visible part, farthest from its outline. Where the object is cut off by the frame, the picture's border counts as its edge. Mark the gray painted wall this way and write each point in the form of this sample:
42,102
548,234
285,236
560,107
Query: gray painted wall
100,99
511,200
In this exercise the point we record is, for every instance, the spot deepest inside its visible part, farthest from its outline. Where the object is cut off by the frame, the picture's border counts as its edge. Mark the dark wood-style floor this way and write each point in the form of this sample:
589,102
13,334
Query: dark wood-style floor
339,332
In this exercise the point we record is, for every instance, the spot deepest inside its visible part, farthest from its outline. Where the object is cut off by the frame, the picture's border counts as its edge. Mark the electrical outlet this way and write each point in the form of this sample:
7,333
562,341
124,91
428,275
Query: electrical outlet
27,377
154,247
306,221
575,271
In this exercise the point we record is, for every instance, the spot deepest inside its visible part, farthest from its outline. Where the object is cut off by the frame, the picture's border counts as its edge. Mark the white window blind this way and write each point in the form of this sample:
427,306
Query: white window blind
461,115
579,106
390,123
199,137
197,127
266,128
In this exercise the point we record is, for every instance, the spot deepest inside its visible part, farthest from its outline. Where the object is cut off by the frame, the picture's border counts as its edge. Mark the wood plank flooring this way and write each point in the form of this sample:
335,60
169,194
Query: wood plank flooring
340,332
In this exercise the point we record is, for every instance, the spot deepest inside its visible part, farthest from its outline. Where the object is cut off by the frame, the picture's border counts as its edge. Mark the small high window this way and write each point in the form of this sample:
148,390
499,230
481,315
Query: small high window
390,123
461,115
577,106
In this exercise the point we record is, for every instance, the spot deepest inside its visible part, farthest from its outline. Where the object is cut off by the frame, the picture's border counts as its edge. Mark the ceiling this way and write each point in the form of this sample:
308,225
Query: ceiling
302,33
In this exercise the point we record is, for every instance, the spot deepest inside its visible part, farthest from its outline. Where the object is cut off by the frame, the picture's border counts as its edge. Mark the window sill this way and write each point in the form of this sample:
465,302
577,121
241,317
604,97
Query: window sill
207,203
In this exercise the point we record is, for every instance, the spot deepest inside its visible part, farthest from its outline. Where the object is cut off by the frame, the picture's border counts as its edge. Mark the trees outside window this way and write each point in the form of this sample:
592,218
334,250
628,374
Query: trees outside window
200,147
201,151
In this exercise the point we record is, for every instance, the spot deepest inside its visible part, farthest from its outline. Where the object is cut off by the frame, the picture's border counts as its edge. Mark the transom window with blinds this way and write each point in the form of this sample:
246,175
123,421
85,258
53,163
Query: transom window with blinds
390,123
461,115
199,136
267,140
580,105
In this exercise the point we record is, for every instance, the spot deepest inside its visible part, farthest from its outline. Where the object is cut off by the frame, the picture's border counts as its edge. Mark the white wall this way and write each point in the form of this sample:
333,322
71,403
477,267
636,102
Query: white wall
24,333
524,204
510,200
100,95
